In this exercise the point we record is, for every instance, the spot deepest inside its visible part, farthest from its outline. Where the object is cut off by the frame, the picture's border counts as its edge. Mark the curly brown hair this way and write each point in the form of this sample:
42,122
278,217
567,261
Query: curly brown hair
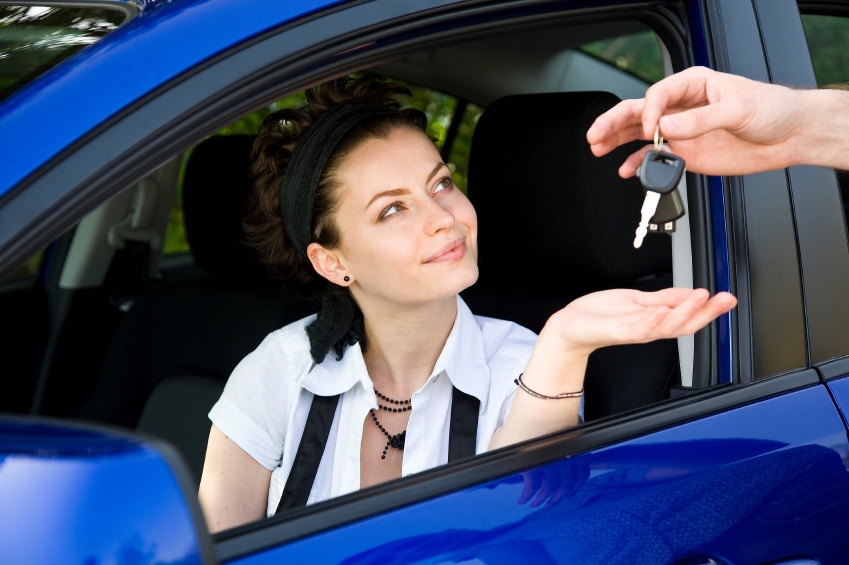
279,134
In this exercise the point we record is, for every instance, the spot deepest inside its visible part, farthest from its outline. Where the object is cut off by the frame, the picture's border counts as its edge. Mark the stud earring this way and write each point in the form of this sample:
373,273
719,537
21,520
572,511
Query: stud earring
347,278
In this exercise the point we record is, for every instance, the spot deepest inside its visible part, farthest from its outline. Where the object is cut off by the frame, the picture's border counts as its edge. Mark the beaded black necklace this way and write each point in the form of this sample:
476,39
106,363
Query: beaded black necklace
397,440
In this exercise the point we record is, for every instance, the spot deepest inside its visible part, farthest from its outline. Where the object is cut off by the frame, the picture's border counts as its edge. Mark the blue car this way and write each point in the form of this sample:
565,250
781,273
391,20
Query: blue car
128,297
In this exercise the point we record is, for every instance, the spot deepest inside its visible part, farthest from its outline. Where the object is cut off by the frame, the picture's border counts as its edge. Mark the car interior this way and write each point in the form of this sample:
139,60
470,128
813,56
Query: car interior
137,316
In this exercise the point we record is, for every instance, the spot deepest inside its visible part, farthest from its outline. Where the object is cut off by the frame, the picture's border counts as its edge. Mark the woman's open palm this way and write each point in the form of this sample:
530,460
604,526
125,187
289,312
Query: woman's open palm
609,317
620,316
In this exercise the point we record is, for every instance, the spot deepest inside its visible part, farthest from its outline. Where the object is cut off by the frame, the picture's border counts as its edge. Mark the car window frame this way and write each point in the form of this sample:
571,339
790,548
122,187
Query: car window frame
335,42
829,320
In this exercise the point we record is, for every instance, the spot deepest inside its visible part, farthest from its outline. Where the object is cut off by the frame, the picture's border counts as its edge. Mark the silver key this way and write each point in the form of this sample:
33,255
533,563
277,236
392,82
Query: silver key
646,213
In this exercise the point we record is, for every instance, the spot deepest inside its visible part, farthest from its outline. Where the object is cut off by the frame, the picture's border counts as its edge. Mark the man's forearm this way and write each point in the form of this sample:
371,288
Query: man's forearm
825,139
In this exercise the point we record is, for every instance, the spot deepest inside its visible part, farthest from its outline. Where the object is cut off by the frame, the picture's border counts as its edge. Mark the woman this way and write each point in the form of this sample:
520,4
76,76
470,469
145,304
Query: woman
352,201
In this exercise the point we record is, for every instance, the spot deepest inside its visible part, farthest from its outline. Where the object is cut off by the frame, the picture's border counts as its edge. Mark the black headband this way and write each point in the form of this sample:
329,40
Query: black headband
300,181
340,322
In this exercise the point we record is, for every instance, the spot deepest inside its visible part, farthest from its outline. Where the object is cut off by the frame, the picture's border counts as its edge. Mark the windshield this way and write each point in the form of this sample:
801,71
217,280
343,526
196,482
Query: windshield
34,39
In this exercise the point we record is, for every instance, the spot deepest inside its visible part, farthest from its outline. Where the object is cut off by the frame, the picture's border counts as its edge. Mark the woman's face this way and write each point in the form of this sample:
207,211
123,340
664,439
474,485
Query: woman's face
408,234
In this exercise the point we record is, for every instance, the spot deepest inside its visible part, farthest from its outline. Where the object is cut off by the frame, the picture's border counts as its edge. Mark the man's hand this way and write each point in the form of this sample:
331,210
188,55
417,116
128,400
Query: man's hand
724,124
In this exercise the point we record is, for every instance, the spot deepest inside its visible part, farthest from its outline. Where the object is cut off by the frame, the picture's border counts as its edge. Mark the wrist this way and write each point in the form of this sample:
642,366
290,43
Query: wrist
556,365
559,334
823,138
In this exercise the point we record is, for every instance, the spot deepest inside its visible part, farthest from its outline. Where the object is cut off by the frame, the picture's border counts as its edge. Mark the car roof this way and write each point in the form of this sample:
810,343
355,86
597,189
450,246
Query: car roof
164,41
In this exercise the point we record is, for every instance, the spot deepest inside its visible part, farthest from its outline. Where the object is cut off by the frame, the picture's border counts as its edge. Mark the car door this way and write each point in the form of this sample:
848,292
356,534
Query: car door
745,466
748,471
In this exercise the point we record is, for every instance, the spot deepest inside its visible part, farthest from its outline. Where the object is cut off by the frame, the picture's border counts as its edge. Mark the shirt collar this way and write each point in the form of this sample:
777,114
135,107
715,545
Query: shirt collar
462,358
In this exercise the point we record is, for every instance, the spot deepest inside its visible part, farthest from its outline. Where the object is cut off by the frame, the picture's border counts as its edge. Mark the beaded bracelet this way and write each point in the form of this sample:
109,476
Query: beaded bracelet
544,397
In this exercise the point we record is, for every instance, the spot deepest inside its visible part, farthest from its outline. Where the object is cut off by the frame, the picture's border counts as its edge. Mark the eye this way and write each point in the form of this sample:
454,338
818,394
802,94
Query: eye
447,182
393,208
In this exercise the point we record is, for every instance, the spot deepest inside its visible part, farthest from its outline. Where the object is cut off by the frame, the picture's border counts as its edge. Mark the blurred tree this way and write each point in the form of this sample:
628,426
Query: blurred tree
828,42
637,54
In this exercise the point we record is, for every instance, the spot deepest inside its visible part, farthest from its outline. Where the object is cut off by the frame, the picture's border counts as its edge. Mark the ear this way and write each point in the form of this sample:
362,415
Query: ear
328,264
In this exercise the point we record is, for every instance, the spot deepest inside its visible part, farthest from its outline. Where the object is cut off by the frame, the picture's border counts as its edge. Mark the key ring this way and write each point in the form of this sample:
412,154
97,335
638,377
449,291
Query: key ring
658,140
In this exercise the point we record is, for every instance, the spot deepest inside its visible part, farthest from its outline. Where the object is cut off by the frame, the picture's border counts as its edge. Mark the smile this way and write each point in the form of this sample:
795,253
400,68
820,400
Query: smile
450,252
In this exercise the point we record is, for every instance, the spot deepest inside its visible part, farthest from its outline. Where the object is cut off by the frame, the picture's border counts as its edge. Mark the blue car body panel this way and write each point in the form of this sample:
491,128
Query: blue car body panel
84,497
744,486
126,65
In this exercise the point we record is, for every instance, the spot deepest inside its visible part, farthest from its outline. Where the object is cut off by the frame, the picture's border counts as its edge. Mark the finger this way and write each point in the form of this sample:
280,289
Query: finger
621,116
629,167
716,306
683,313
532,484
701,317
687,88
729,115
543,493
557,497
541,497
670,297
620,137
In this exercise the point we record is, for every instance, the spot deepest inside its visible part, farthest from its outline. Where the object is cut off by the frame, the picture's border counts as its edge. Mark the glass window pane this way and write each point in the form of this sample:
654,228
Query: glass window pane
34,39
637,54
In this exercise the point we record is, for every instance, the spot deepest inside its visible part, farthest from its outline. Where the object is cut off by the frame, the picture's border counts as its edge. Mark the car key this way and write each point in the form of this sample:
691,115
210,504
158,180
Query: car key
659,174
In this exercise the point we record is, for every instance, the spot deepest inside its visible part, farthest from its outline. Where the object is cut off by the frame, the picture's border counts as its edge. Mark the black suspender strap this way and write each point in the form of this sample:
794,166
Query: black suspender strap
463,433
462,439
304,469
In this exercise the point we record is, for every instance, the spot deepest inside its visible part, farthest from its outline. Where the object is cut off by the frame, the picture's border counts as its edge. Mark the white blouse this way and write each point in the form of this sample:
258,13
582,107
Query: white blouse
264,406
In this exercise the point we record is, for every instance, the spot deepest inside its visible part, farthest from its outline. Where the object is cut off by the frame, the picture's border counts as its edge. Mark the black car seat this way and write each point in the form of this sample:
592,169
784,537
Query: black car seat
175,348
555,223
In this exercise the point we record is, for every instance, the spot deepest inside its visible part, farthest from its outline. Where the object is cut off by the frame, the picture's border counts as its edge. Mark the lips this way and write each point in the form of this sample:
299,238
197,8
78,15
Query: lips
450,252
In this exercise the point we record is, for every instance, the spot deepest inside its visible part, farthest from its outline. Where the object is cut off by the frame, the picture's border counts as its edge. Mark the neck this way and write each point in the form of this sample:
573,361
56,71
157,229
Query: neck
404,342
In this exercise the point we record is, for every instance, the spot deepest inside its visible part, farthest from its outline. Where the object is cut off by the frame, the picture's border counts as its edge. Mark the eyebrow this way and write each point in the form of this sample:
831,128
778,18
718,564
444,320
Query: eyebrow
434,171
403,191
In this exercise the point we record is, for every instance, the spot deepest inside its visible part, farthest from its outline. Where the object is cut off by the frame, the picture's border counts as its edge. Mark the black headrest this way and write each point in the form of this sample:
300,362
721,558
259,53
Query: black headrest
550,213
216,188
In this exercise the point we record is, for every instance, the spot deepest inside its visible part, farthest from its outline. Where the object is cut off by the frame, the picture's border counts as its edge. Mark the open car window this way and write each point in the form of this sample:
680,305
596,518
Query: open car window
140,320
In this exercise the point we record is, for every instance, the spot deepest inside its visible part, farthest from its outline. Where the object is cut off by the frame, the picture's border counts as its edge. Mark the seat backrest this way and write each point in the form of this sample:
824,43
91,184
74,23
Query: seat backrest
555,223
183,336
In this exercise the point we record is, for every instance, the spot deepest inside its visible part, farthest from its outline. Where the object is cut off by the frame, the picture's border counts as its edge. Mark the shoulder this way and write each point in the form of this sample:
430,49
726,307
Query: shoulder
288,346
270,370
254,406
505,341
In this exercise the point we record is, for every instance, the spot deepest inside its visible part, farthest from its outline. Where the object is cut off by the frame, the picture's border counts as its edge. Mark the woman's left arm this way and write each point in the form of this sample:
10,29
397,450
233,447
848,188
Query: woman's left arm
610,317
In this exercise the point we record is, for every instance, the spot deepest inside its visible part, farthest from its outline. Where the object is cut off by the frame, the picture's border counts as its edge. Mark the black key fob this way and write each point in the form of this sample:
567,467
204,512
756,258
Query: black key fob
661,171
670,207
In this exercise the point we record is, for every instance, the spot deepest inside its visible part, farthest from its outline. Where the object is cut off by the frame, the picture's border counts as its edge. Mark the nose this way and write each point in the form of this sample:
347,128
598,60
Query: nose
438,218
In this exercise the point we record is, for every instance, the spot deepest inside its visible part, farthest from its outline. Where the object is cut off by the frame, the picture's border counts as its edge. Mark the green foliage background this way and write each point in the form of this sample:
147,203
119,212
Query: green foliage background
638,54
828,41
